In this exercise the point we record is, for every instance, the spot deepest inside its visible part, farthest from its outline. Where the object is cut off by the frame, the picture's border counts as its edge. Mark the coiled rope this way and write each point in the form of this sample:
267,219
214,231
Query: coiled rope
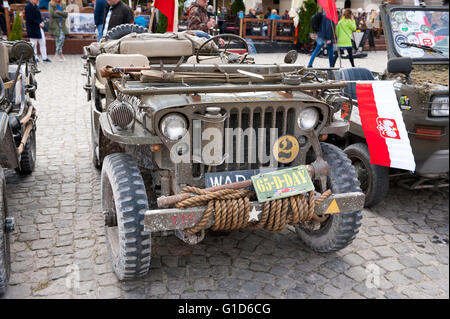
232,209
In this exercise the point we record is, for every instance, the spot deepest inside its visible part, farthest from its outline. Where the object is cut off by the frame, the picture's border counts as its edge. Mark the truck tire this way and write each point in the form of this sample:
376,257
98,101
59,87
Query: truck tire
28,156
5,266
122,30
94,144
374,179
123,194
338,230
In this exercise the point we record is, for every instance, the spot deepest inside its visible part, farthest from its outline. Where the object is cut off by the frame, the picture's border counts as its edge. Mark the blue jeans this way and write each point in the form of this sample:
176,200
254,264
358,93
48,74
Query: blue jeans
201,34
59,40
319,43
99,32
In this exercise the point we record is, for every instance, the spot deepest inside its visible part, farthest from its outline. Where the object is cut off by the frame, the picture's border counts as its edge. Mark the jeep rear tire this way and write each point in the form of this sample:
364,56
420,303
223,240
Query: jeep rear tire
374,179
94,144
338,230
124,196
28,156
5,266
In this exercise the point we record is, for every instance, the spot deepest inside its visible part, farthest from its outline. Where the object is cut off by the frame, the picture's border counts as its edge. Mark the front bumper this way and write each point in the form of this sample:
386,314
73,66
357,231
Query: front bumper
182,218
436,163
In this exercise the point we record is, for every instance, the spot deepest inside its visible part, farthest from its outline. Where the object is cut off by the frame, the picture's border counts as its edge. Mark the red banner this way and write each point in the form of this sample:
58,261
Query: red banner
329,6
167,7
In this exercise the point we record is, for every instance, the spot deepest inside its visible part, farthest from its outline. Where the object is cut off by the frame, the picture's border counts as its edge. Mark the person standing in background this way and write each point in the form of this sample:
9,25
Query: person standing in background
57,26
34,24
3,28
99,13
198,17
324,36
117,13
274,15
344,31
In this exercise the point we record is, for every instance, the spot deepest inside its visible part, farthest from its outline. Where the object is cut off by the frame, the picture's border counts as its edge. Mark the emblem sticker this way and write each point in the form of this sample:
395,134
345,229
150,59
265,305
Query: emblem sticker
424,28
426,39
413,39
400,17
399,39
387,128
411,16
394,26
404,28
286,149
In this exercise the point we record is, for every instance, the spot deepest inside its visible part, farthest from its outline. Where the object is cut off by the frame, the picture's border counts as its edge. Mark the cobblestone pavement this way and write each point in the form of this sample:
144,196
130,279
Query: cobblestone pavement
401,250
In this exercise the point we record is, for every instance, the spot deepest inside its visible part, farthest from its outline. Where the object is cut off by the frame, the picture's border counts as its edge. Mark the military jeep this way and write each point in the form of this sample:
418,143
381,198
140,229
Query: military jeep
17,131
184,148
417,47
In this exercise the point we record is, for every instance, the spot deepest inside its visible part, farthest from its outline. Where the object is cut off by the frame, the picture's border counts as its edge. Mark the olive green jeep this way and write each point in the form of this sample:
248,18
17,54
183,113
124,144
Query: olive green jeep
184,148
417,48
17,131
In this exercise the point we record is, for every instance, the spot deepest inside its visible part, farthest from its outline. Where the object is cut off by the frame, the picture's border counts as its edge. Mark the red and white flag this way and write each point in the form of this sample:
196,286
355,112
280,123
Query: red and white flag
382,122
170,9
329,6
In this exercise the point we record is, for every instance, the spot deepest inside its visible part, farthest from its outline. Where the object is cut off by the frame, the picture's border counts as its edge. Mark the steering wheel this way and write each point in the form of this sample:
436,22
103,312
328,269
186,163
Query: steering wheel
222,52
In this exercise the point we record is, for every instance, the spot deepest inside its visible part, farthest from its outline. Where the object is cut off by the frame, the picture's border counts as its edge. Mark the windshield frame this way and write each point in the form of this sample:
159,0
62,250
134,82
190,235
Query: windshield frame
387,11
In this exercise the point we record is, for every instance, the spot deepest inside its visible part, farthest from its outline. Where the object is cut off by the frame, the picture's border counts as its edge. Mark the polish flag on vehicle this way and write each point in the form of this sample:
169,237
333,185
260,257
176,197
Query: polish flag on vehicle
170,9
383,125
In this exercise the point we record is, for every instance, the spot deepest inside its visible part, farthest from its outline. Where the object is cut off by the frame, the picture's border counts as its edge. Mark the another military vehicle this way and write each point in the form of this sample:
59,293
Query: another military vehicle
417,47
17,131
180,146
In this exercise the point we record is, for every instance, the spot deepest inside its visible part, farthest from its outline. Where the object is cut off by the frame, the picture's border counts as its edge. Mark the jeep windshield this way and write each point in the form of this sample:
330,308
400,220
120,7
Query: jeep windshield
419,33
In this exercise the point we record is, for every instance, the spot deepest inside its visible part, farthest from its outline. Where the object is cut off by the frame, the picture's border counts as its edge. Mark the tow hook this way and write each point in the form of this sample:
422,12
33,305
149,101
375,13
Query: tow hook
10,224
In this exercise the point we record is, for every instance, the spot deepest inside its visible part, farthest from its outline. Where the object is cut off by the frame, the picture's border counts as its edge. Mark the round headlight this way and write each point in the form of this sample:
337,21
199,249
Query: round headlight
308,118
173,126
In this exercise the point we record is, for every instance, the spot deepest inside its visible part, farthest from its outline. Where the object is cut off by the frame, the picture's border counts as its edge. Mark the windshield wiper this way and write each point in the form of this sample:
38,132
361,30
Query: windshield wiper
423,47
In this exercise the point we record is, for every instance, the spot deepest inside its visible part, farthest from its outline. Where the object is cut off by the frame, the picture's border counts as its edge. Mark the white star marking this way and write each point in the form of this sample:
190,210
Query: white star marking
254,215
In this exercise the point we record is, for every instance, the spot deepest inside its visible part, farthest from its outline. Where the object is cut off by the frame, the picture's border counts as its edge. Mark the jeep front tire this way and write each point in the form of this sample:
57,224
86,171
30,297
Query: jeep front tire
338,230
124,202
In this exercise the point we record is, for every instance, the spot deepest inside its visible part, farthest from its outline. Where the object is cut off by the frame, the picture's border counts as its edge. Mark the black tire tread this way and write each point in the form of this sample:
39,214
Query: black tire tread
342,228
131,203
27,162
4,250
124,29
379,183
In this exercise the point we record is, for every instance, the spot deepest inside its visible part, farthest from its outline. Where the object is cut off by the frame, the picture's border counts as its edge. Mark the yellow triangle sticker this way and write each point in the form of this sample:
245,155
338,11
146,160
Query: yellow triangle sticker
333,208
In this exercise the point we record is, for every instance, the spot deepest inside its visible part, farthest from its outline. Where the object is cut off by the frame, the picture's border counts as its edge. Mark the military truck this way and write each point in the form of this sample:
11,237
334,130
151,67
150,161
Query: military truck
17,131
184,148
417,47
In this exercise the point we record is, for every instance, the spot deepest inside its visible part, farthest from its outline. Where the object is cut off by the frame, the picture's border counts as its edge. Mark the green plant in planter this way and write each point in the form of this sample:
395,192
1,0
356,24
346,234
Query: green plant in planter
16,29
308,9
162,23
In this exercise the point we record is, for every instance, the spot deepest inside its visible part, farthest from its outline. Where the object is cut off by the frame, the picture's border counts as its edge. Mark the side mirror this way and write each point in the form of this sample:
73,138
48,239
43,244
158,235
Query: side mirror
291,57
400,65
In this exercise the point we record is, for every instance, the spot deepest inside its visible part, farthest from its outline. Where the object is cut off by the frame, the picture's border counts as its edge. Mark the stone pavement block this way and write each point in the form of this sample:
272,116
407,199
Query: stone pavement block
110,292
397,279
390,264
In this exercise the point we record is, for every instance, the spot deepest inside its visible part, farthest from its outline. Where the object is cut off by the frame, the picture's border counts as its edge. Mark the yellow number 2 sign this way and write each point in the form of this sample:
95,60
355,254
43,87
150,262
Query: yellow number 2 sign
286,149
